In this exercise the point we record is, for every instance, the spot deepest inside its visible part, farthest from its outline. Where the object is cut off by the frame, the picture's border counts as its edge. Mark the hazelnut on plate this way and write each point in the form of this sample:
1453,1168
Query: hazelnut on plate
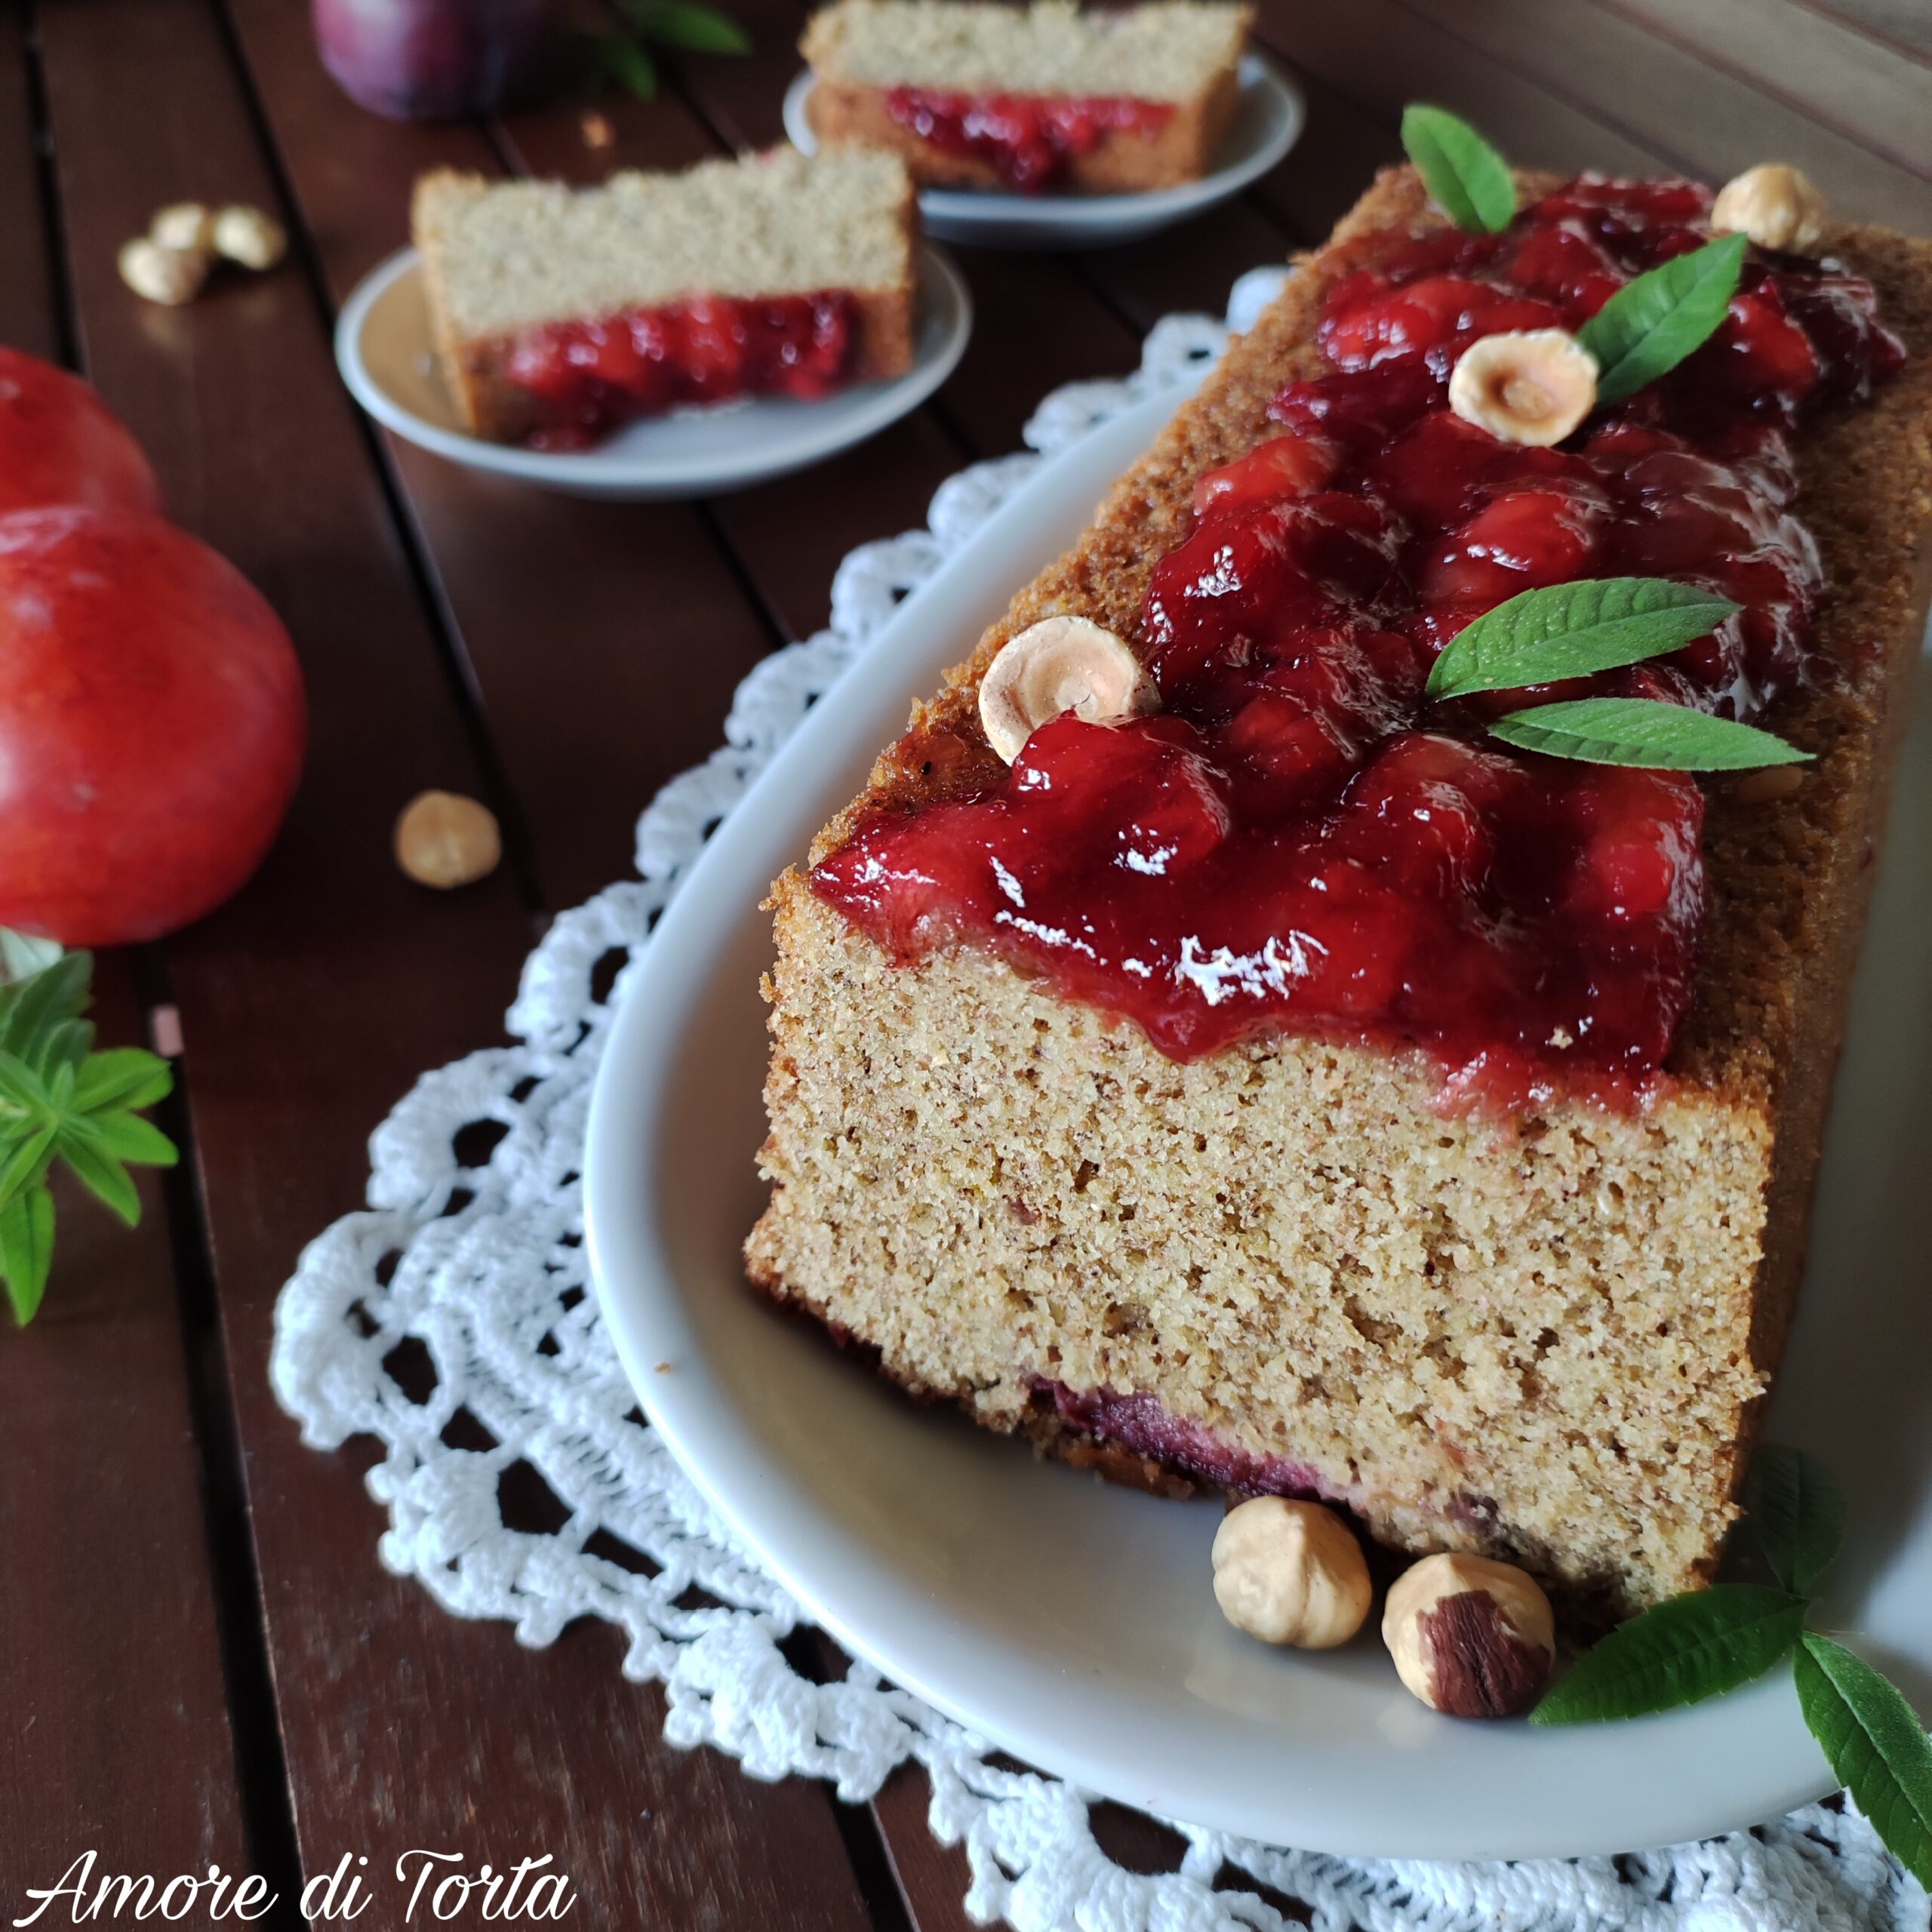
1291,1572
1471,1637
1060,664
1773,204
1525,385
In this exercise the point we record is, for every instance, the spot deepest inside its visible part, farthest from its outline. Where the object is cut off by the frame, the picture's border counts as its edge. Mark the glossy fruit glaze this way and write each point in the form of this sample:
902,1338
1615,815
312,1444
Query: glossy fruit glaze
1300,841
589,377
1031,141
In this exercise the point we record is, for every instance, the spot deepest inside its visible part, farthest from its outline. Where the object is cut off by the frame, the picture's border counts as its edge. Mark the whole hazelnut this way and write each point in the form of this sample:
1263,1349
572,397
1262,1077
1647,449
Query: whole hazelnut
1060,664
1291,1572
167,275
1531,386
445,840
1775,205
182,225
1470,1636
247,235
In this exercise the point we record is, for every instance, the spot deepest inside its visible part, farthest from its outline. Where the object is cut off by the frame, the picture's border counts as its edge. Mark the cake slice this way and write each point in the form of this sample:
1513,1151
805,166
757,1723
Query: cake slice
1206,1097
558,312
1036,98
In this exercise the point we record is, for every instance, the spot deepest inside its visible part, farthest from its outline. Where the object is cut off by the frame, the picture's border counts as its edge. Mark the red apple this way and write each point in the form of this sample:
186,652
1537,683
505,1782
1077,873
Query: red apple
151,726
61,444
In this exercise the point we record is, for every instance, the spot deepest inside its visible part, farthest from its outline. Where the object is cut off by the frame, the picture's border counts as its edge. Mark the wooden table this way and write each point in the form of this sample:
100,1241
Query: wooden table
201,1659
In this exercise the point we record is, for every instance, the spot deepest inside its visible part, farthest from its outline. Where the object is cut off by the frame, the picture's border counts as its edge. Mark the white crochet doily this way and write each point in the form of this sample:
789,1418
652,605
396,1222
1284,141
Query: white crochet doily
452,1321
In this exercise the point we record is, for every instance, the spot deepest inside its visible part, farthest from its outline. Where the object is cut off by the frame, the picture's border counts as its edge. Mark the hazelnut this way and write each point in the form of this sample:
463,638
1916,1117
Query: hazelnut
169,275
1525,385
247,235
1060,664
445,840
595,126
1291,1572
1470,1636
186,225
1775,205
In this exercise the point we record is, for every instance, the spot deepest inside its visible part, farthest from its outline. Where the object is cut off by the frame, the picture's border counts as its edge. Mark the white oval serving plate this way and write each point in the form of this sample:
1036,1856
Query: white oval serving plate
384,349
1267,123
1071,1622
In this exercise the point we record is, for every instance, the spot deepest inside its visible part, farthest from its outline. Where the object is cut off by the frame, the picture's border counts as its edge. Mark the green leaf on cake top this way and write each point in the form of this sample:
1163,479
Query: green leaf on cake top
1650,325
59,1100
1466,178
1699,1644
1571,630
1643,732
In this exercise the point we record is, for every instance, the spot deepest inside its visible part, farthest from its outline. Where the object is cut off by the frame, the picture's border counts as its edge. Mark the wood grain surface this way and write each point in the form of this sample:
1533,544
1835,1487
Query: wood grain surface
203,1660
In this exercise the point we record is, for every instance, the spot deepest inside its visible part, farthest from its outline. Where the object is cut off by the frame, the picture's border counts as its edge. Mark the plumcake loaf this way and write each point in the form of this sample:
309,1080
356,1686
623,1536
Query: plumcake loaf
1029,98
558,312
1271,1092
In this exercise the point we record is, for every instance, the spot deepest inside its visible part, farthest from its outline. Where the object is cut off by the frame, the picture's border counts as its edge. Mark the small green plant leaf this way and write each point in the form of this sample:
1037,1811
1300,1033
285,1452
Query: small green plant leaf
1643,732
65,1044
1796,1511
26,1162
26,1250
128,1137
1651,325
680,23
30,1006
1466,178
21,1089
626,64
1875,1744
1684,1649
1571,630
122,1077
82,1147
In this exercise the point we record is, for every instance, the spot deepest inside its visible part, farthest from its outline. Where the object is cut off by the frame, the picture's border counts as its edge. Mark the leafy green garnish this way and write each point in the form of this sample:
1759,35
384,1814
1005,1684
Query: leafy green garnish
59,1100
1689,1648
679,23
1643,732
1695,1646
1651,325
1797,1515
1468,180
1875,1744
1569,630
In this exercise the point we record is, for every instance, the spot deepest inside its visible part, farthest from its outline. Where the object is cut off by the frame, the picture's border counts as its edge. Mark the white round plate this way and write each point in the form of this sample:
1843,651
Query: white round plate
1070,1621
384,349
1267,123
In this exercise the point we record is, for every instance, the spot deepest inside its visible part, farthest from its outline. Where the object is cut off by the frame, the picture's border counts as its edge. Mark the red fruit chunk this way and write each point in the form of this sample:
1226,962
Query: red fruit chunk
1283,466
152,725
1031,141
61,444
1518,542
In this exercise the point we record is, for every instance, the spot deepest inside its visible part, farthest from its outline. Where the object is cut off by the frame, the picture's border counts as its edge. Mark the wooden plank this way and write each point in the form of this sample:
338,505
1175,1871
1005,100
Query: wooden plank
1192,266
309,1003
27,317
1331,166
1707,123
1904,25
1817,65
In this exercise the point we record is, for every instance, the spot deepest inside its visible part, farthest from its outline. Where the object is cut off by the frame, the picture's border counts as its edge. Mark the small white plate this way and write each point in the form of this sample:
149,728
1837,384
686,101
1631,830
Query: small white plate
1267,123
384,349
1071,1622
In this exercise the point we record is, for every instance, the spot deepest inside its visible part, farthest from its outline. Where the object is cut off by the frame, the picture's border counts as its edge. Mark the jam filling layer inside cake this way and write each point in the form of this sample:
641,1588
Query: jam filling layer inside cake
1300,841
1031,140
589,377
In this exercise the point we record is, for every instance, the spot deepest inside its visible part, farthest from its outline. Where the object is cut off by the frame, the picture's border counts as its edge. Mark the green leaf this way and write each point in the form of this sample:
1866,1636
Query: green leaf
58,993
1876,1745
1643,732
26,1250
678,24
1650,325
1797,1514
22,1088
1569,630
1685,1649
99,1170
122,1077
1470,181
64,1044
26,1162
627,64
128,1137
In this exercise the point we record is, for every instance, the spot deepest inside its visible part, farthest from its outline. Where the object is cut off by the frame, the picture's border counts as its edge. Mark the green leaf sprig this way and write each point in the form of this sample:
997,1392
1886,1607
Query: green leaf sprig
1466,178
1650,325
1573,630
625,56
61,1100
1699,1645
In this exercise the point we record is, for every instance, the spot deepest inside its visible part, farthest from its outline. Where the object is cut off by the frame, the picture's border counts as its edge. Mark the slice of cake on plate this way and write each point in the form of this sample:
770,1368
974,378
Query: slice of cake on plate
558,312
1038,99
1270,1077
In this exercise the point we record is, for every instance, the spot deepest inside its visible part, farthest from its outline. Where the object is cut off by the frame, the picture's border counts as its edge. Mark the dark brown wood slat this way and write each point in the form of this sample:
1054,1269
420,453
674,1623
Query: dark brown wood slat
1906,25
28,318
1813,63
1705,122
1378,55
309,1004
1192,266
1331,164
